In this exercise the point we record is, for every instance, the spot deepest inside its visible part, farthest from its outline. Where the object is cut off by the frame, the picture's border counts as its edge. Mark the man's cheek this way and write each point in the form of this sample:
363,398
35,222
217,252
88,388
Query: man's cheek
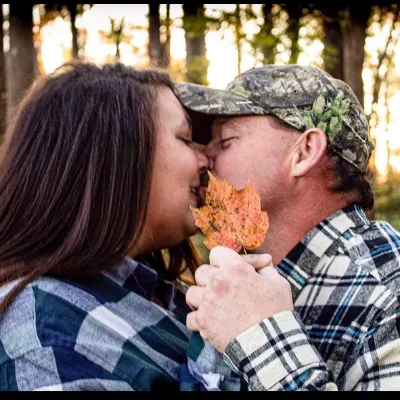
235,176
224,170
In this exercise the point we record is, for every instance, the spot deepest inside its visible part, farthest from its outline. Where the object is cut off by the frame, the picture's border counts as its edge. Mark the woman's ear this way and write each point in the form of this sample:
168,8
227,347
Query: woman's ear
309,151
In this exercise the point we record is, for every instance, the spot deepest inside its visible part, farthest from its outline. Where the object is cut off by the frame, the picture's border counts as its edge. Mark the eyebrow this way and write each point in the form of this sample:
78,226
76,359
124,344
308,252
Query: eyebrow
220,123
223,121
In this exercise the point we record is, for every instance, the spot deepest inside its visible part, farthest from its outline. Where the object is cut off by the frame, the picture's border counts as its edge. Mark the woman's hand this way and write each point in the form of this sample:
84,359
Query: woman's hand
232,295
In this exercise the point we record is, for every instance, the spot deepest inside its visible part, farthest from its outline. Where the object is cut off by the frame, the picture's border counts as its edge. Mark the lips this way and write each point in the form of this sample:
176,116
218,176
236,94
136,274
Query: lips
200,193
200,190
204,178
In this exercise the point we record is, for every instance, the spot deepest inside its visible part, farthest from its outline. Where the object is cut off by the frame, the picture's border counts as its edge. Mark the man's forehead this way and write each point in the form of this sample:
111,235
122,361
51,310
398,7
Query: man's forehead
223,121
231,122
217,123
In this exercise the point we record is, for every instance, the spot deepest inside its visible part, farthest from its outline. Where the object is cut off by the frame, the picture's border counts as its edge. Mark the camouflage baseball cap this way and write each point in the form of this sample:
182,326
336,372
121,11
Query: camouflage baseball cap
302,96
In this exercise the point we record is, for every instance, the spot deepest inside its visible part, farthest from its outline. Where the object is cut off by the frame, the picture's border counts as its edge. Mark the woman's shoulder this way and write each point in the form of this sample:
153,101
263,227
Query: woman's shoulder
91,320
84,313
45,339
51,311
47,312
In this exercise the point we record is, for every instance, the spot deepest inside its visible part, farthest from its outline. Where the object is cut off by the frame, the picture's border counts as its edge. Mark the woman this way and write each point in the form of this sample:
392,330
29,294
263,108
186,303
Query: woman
99,170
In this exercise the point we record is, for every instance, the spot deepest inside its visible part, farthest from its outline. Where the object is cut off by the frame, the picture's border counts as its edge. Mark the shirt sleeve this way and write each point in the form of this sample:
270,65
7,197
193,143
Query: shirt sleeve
277,354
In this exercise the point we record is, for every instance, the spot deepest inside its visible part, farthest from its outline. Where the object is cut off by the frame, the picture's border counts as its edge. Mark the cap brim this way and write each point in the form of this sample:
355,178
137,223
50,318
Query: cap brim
204,104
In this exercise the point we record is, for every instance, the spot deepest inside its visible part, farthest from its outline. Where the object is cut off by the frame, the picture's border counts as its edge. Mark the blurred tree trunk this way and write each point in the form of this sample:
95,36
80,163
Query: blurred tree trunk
194,24
386,56
333,42
353,47
388,120
73,14
295,12
3,100
21,66
238,37
116,35
74,10
268,47
382,80
166,47
155,48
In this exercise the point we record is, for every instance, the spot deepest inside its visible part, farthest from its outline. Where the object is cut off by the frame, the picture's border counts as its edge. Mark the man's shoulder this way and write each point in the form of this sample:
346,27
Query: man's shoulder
375,249
360,266
366,264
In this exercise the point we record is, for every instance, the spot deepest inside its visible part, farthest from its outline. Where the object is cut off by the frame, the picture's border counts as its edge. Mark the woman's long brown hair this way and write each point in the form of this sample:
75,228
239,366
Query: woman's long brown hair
76,174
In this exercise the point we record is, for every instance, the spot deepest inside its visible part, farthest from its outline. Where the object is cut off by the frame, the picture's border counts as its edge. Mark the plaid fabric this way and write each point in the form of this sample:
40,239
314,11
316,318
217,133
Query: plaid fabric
106,333
100,333
345,331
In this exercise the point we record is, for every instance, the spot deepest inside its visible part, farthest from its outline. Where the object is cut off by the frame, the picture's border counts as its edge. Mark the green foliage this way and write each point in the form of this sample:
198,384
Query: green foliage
197,70
196,26
387,200
265,41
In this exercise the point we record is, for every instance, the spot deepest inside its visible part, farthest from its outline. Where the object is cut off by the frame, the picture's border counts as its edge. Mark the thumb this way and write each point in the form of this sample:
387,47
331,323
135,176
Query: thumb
258,261
268,271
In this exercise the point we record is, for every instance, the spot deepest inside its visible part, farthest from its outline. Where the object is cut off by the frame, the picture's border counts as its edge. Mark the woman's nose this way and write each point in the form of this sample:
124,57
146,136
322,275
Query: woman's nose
208,153
203,160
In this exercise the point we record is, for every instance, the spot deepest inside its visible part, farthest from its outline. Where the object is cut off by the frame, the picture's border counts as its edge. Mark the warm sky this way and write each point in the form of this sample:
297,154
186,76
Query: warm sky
221,53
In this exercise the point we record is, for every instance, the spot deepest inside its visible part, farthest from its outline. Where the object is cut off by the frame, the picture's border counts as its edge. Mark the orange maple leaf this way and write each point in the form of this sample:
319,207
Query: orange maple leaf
230,217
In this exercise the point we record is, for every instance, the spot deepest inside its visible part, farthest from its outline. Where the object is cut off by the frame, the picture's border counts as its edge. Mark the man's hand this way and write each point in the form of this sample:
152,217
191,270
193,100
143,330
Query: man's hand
232,297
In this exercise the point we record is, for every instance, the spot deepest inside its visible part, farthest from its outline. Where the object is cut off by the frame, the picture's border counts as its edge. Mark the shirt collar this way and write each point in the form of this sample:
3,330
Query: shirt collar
298,265
141,279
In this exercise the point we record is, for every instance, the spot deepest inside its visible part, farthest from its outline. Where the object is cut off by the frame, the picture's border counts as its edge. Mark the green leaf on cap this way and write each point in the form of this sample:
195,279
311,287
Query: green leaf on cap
344,107
322,126
319,105
326,116
335,108
308,120
334,127
240,90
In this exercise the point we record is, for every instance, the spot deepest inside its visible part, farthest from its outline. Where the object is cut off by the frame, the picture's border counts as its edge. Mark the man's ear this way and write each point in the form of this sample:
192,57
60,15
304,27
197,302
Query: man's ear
308,151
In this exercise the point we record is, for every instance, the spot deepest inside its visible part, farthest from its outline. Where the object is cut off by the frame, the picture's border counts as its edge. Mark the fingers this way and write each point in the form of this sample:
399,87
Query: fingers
204,274
191,323
194,296
223,256
268,271
258,261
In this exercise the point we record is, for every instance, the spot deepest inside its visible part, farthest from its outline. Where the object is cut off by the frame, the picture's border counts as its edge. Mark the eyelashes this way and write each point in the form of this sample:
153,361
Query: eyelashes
188,142
224,143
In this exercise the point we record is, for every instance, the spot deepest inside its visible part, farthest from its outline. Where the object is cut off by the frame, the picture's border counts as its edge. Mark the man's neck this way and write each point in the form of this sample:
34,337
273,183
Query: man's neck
292,222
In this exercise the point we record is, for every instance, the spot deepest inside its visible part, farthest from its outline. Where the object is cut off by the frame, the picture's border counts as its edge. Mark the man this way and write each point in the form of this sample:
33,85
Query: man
301,137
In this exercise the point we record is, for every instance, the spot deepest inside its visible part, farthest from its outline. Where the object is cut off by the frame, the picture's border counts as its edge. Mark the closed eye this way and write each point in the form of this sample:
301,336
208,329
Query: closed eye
224,143
188,142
